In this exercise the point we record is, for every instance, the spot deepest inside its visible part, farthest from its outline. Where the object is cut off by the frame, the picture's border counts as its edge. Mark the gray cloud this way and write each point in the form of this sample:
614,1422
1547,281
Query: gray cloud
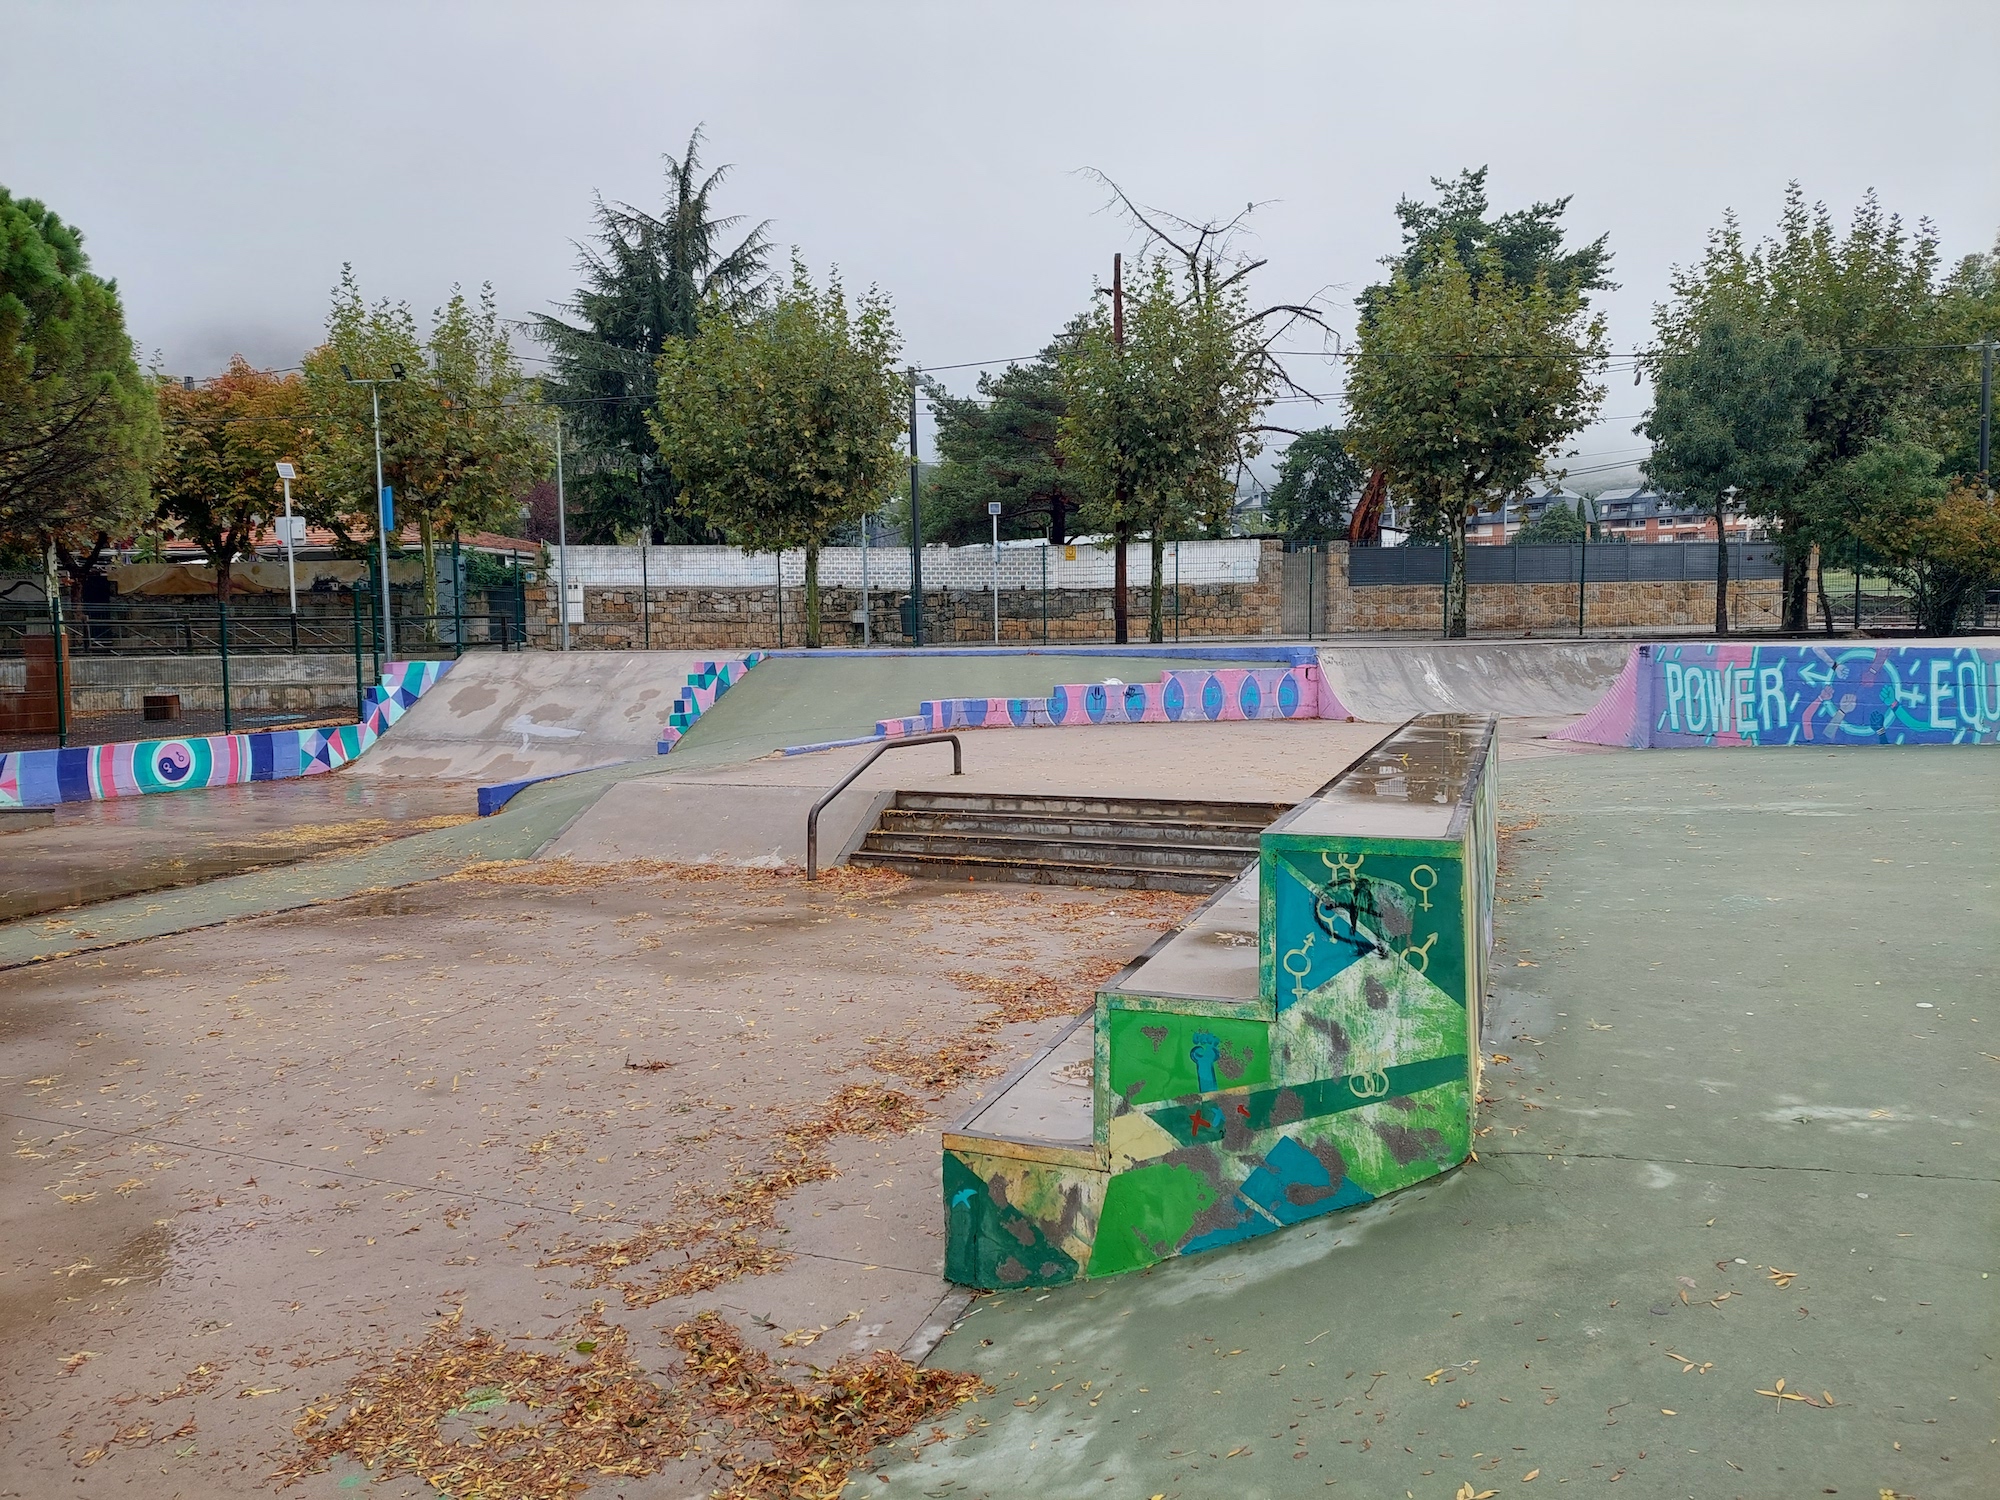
224,160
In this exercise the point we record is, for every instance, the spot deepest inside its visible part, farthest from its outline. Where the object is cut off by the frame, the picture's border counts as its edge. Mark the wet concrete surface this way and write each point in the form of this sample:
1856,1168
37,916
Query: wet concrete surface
97,851
1739,1129
246,1161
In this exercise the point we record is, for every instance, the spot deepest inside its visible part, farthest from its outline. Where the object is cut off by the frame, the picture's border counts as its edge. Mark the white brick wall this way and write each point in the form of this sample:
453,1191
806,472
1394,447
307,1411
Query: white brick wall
1021,567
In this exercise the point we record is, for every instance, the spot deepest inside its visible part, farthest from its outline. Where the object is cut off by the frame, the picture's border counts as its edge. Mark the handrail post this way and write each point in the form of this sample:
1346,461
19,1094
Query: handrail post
812,817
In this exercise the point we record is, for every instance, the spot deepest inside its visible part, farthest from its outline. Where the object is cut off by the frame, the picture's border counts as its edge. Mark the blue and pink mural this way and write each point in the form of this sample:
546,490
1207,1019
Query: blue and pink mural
1194,695
707,682
85,773
1739,693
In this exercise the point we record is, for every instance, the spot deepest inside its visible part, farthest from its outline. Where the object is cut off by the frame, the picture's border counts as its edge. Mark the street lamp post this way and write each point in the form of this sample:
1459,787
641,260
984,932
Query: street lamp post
993,511
287,474
385,500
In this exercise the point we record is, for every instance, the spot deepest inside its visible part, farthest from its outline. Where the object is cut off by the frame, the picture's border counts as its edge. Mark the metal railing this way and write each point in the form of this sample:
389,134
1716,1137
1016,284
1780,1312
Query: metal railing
812,818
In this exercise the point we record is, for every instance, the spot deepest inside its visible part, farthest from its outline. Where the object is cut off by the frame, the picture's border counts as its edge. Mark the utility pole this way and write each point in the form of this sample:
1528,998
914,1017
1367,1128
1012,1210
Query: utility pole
993,511
916,528
1120,615
562,539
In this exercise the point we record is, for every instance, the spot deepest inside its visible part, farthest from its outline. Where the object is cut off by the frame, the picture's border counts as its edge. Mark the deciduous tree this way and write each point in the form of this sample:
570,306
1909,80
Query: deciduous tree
1728,425
461,432
781,426
216,479
1463,385
1866,299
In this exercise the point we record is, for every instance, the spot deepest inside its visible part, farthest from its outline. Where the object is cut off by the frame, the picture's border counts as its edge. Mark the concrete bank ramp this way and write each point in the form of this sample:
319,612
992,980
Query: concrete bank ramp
501,715
1396,680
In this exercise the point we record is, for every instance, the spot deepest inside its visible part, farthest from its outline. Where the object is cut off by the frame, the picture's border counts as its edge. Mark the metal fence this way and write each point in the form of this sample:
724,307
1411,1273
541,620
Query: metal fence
1597,562
225,657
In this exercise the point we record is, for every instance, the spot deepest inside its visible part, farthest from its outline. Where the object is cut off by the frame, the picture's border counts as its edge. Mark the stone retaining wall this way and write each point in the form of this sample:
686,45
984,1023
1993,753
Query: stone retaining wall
742,619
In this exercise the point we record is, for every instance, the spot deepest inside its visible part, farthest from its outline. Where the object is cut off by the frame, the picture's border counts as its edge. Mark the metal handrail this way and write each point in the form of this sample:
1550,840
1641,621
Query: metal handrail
812,818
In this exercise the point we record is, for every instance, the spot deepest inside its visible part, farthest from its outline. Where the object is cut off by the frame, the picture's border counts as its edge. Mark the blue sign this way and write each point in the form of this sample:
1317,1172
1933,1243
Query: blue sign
388,508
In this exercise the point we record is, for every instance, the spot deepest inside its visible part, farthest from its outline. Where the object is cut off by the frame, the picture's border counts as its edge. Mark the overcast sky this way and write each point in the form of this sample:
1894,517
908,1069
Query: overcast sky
223,160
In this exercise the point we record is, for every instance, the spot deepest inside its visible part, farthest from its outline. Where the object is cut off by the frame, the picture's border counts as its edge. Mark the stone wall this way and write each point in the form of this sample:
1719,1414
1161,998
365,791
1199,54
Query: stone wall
738,619
1542,608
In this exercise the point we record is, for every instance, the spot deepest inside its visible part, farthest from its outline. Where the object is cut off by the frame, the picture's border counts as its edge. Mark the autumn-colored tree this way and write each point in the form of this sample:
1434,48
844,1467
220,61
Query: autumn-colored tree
216,479
1944,551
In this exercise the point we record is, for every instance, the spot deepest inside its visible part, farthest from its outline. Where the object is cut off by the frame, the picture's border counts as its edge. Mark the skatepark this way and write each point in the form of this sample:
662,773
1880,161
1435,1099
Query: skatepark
1671,963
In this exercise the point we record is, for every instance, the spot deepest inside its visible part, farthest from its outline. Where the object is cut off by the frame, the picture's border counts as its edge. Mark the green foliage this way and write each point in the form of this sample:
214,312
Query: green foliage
1002,445
782,426
1943,549
462,437
1462,387
1519,248
1729,424
645,281
78,424
216,479
1157,431
1318,481
1558,524
1867,301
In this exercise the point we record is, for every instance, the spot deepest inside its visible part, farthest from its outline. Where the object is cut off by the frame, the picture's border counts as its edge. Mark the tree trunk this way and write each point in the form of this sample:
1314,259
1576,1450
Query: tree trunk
427,540
1118,580
1058,521
1721,571
1454,581
222,578
1156,621
1798,577
1819,584
812,595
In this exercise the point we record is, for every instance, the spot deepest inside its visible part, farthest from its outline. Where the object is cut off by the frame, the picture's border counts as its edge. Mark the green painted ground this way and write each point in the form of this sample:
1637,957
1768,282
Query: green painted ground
791,700
516,832
1749,1008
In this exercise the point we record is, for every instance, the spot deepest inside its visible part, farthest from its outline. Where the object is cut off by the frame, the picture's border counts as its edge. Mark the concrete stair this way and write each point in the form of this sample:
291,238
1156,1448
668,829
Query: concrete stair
1124,843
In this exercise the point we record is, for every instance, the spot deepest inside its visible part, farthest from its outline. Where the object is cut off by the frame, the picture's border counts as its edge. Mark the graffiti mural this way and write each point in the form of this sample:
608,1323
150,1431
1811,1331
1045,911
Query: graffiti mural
707,682
1351,1074
1737,693
84,773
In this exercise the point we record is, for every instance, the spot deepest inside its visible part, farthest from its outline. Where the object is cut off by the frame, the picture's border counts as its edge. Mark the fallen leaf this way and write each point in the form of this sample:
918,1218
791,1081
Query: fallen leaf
1525,1478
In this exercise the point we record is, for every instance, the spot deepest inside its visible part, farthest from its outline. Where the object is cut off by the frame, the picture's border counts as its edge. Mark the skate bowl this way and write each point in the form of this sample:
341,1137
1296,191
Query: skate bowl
505,716
1398,680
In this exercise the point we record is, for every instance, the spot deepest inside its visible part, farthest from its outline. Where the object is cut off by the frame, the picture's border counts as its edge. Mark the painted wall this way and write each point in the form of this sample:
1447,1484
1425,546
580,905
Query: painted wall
1191,696
1738,693
84,773
707,682
1352,1075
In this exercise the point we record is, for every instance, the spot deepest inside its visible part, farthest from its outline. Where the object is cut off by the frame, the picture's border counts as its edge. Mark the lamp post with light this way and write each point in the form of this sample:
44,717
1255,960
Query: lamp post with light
385,500
287,474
